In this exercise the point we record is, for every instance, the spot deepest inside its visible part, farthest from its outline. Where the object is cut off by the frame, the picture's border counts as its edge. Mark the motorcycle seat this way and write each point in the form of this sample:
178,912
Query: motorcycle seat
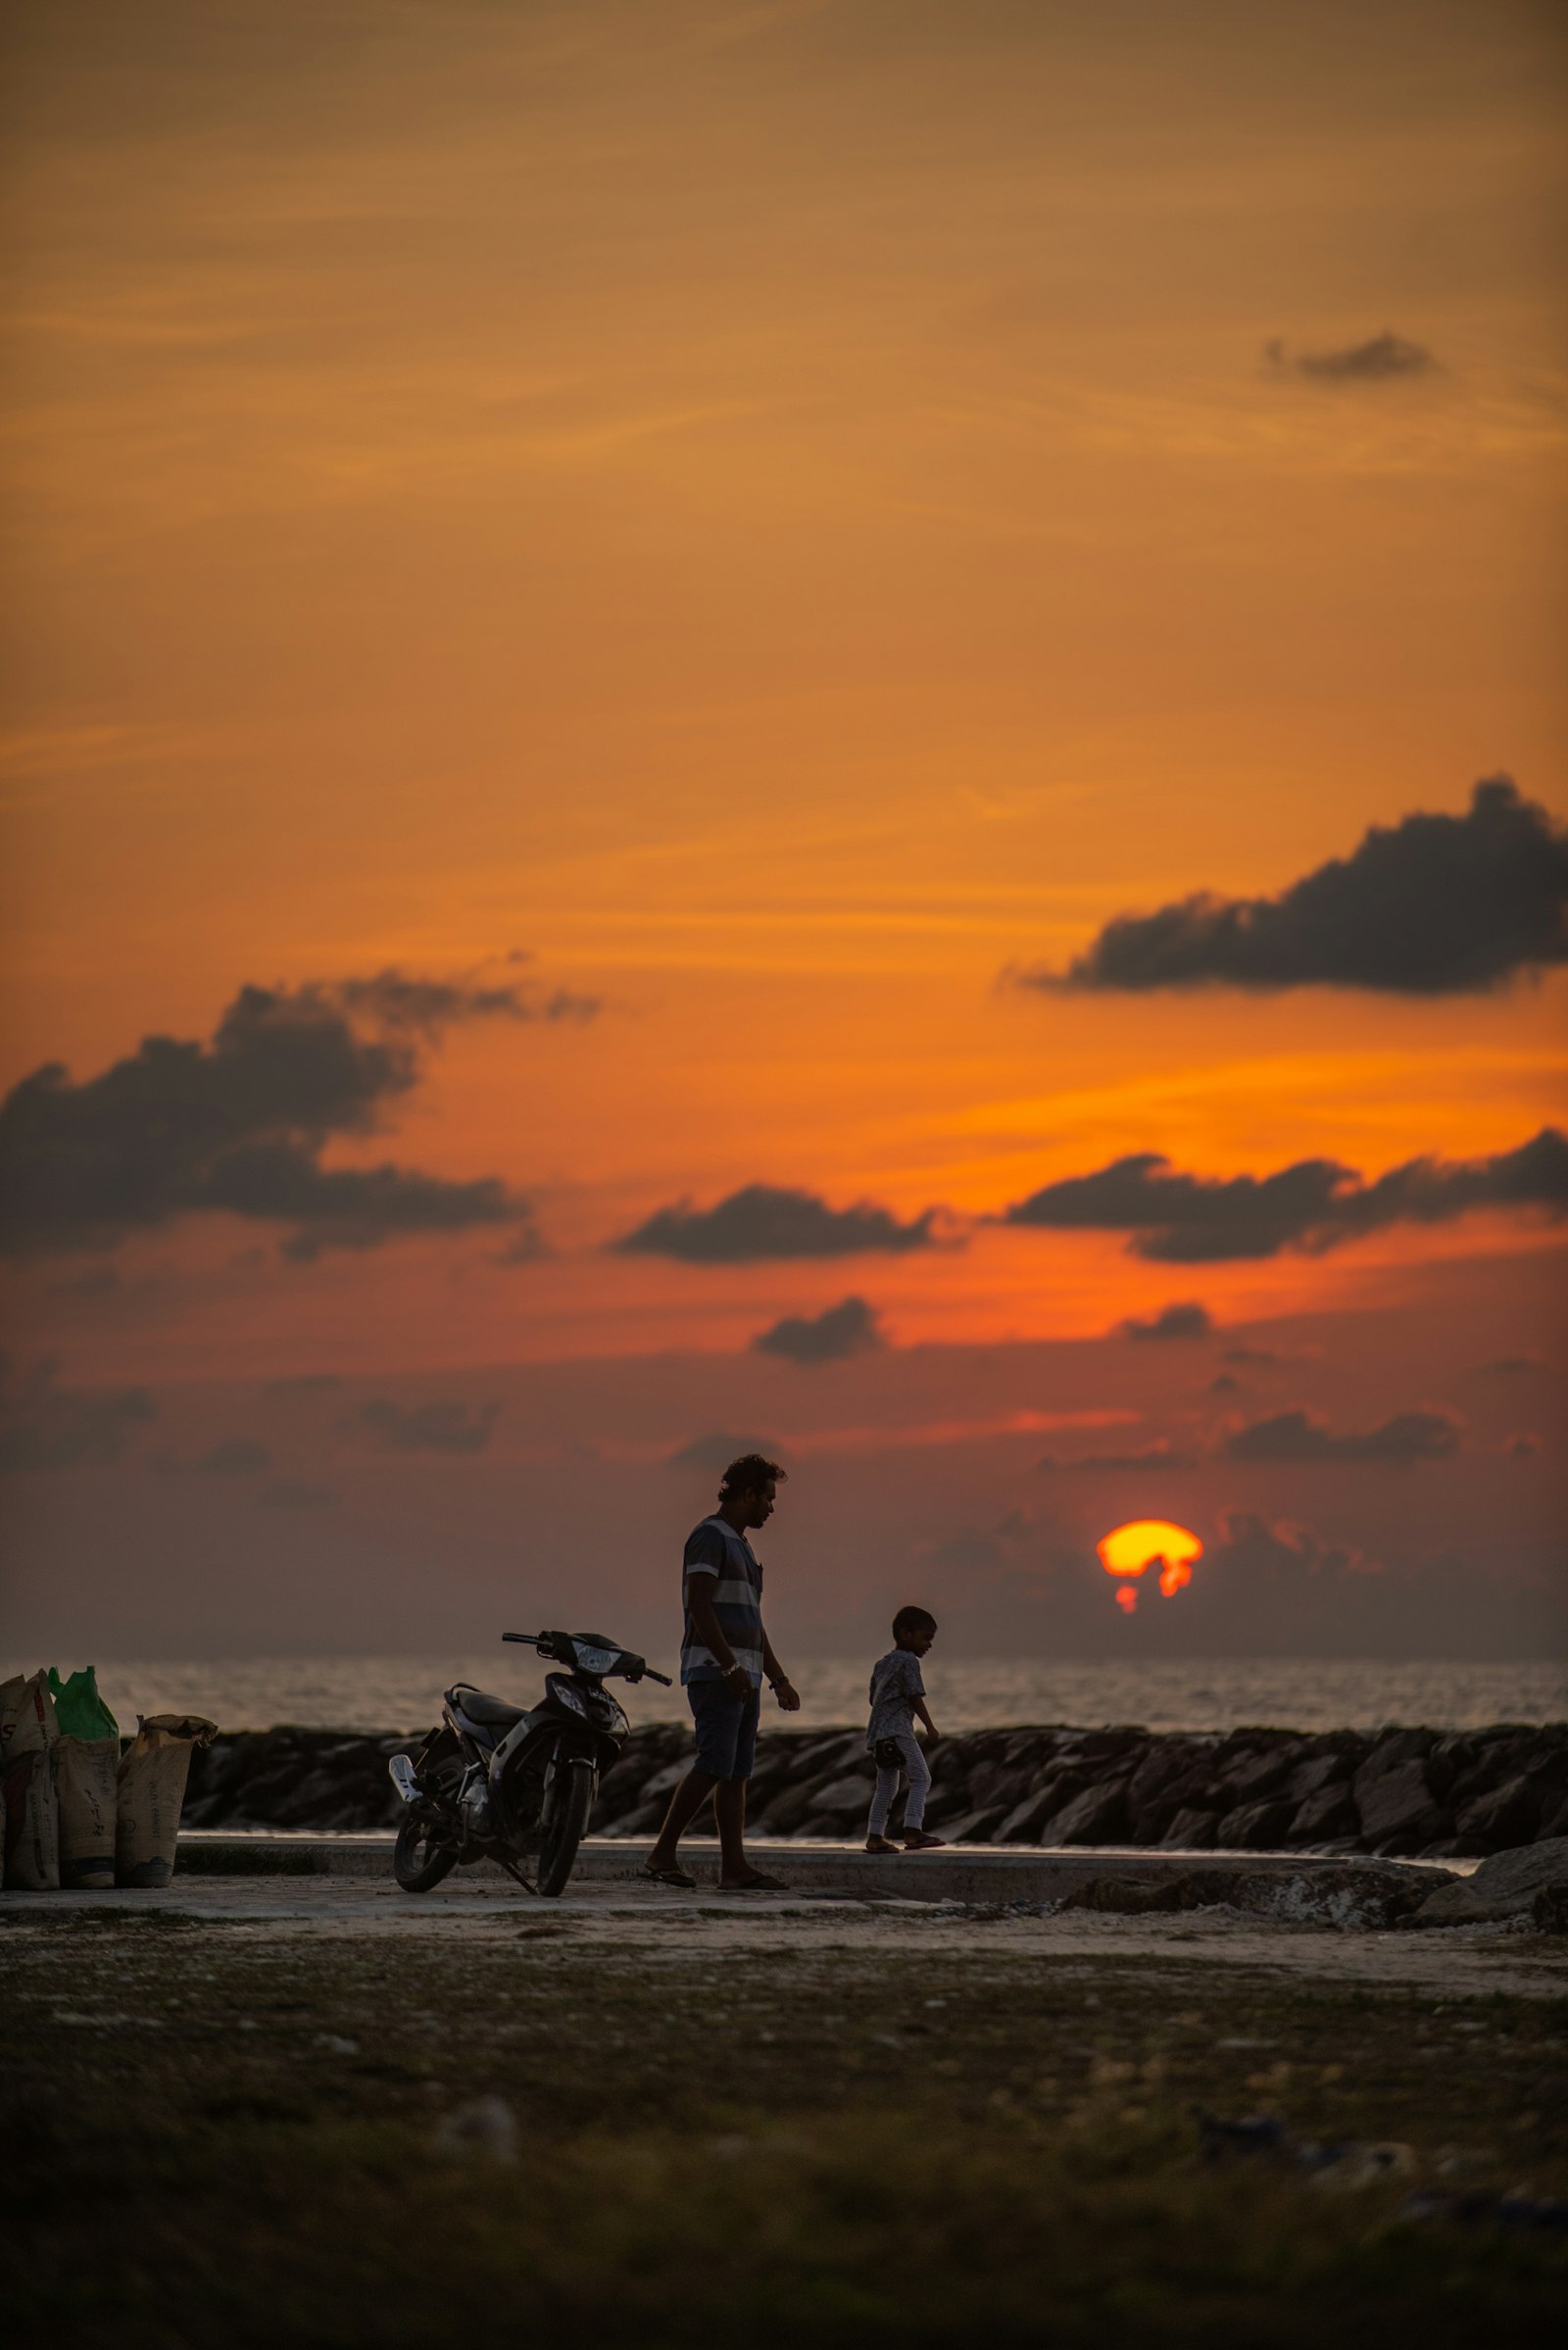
493,1711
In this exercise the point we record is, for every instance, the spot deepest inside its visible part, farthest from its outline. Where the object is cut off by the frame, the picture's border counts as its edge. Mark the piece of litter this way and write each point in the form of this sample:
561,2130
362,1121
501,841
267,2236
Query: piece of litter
335,2045
487,2129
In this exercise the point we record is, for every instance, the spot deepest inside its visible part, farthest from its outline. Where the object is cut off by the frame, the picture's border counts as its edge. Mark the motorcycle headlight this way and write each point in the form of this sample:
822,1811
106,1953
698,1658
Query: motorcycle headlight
564,1695
593,1659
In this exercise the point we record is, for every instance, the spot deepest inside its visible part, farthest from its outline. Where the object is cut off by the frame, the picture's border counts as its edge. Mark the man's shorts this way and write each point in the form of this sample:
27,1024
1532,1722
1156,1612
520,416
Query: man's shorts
727,1729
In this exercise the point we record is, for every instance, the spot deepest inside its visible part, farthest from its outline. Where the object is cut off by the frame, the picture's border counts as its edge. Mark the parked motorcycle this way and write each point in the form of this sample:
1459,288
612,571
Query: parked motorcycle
513,1783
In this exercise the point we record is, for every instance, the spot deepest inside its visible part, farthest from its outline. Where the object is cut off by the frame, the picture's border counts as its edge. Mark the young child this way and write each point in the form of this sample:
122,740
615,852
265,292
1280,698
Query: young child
897,1698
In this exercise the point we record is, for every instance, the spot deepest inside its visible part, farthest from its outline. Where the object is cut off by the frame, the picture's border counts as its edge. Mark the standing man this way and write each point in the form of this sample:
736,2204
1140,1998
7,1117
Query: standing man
725,1656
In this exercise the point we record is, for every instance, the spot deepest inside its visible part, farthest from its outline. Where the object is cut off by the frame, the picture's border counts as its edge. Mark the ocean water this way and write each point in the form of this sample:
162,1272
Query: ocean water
403,1693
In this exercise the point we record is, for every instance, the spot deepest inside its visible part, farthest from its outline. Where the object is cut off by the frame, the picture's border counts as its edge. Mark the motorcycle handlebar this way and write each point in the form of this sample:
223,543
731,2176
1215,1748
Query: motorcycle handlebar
532,1639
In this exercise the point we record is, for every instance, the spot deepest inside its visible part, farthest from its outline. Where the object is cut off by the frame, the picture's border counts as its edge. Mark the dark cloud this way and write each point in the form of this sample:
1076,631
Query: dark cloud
847,1328
235,1456
1227,1384
1315,1204
402,999
718,1448
764,1221
238,1125
294,1492
973,1550
1162,1455
443,1424
1186,1321
1525,1446
1385,358
1434,906
46,1426
1258,1357
1293,1436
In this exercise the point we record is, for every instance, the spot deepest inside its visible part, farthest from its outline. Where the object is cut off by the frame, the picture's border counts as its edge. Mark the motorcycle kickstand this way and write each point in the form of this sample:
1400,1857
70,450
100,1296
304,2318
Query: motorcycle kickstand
526,1884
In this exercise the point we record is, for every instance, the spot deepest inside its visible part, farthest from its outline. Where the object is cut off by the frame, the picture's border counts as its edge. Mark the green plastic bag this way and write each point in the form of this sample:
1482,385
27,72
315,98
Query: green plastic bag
79,1708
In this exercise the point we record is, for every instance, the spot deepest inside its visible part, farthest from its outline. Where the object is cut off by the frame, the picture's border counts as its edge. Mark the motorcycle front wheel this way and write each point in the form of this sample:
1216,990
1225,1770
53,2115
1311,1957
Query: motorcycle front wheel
569,1824
419,1860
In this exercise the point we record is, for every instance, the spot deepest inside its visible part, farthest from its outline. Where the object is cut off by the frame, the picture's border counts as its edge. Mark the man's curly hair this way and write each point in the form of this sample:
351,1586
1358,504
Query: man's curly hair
748,1474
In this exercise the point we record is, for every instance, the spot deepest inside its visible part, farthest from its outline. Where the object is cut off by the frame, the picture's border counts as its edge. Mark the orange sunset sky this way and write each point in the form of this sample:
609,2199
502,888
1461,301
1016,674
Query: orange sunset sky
733,541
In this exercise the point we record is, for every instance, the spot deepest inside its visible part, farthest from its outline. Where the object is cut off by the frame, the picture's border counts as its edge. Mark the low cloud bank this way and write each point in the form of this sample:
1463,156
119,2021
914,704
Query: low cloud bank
443,1424
1294,1435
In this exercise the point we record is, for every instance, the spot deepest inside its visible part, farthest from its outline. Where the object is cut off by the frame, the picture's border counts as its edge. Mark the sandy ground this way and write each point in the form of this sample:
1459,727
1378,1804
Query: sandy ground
1464,1962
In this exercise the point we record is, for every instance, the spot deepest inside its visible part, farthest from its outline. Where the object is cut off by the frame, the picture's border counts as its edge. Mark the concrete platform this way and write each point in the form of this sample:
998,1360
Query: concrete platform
967,1873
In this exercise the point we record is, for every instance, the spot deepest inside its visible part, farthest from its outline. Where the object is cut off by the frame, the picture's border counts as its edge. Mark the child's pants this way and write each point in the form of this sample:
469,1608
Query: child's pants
918,1773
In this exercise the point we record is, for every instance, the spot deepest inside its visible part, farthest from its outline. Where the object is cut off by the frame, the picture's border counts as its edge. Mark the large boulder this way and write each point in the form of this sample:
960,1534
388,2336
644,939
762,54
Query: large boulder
1191,1830
1253,1827
851,1794
1506,1816
1505,1886
1320,1771
973,1826
1022,1824
1326,1814
1398,1803
1098,1816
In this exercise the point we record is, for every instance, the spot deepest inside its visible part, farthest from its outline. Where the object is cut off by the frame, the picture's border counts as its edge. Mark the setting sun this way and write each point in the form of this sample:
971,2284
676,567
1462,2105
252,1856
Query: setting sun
1130,1551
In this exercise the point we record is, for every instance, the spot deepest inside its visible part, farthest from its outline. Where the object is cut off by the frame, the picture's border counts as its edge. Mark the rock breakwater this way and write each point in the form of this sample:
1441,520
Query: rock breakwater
1417,1792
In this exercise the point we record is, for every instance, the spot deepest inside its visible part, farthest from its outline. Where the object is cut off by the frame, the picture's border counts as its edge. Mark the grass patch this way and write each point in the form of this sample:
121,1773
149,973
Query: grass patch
210,2142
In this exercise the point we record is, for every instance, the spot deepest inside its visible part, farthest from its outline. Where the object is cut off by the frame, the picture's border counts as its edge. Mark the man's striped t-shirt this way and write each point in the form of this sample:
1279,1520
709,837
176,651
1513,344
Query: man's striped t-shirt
715,1548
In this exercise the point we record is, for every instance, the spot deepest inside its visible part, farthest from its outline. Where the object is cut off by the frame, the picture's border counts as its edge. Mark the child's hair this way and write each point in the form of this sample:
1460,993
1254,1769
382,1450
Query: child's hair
913,1619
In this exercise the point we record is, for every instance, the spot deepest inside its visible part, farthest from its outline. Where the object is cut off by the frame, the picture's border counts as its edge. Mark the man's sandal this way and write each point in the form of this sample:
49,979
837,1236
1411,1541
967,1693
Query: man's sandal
674,1877
757,1884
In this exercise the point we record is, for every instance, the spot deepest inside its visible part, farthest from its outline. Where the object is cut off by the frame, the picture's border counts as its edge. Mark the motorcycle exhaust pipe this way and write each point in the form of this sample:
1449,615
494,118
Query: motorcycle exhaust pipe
400,1769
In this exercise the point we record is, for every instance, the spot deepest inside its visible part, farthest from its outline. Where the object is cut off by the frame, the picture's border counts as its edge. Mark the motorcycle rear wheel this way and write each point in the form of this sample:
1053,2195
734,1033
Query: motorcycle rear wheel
569,1825
418,1860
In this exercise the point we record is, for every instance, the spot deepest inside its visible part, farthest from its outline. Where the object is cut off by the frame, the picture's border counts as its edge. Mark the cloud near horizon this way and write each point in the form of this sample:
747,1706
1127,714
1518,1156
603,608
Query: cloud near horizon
1384,358
1436,905
1189,1320
718,1448
847,1329
1313,1205
1163,1456
238,1125
1297,1438
764,1220
46,1426
443,1424
295,1493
